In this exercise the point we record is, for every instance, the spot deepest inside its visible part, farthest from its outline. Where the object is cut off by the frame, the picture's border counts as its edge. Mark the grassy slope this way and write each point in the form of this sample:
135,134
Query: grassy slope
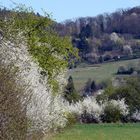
101,73
101,132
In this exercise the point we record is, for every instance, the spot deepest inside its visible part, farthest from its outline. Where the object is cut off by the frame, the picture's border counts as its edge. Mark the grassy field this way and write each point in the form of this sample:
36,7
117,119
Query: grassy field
98,73
101,132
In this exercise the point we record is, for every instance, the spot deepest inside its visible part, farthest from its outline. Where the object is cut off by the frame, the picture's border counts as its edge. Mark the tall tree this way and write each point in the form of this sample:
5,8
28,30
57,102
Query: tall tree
70,92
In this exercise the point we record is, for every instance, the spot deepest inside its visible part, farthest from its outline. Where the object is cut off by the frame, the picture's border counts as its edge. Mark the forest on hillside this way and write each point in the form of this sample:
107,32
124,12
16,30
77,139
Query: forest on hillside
106,37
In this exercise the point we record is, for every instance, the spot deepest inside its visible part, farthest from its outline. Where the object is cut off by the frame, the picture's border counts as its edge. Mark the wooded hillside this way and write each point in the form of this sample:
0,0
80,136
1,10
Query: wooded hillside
106,37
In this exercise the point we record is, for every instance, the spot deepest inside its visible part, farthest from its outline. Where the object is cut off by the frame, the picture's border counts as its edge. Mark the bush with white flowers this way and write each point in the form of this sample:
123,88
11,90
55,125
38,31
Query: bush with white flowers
115,110
120,104
89,106
44,110
91,111
136,116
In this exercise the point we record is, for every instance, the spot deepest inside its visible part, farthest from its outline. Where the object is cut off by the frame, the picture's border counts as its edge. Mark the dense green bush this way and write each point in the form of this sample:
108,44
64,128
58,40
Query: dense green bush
111,114
123,70
72,119
130,91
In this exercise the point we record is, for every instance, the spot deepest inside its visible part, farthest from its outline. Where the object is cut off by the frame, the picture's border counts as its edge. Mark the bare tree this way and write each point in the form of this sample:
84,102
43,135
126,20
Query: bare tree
13,103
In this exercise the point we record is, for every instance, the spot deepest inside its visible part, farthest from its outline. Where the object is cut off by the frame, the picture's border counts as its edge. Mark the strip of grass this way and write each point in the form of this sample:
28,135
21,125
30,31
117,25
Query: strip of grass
102,72
101,132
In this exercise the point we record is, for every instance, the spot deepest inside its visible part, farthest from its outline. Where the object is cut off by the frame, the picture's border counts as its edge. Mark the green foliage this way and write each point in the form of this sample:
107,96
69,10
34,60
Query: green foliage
123,70
70,93
87,87
71,119
103,72
106,94
23,26
101,98
130,92
111,114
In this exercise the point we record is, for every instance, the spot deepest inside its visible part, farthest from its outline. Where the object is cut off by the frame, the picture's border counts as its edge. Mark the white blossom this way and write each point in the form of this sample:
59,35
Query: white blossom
136,115
120,104
44,110
89,105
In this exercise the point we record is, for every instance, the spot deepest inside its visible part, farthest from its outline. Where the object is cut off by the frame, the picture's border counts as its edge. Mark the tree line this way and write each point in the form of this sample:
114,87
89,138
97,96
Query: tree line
105,37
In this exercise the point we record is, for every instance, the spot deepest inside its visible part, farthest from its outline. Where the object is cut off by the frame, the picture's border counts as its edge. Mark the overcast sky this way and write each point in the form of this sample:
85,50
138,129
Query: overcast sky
69,9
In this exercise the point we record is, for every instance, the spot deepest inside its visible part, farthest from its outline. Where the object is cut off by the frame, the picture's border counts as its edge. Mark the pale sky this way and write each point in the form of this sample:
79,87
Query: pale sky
69,9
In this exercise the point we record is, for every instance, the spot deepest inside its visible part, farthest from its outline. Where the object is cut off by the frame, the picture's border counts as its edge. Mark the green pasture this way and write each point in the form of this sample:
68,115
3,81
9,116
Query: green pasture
101,72
100,132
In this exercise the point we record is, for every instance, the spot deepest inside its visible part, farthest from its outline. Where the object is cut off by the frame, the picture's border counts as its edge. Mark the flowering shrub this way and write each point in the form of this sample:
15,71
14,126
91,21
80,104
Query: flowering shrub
136,116
29,43
120,104
89,110
44,110
88,107
114,110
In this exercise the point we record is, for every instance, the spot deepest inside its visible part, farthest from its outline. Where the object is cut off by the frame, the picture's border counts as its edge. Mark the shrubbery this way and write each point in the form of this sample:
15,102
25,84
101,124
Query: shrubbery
135,116
91,87
130,92
87,107
111,114
89,111
40,57
123,70
13,104
115,111
70,93
71,118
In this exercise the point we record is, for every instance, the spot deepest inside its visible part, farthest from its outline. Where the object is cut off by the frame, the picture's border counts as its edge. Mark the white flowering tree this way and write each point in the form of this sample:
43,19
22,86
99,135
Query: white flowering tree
40,56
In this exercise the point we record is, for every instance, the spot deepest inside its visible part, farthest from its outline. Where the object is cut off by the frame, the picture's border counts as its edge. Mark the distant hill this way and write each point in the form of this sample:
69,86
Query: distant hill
106,37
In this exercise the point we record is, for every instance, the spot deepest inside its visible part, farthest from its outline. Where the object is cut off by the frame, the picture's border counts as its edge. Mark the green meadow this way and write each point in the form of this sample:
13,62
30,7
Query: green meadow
101,72
100,132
